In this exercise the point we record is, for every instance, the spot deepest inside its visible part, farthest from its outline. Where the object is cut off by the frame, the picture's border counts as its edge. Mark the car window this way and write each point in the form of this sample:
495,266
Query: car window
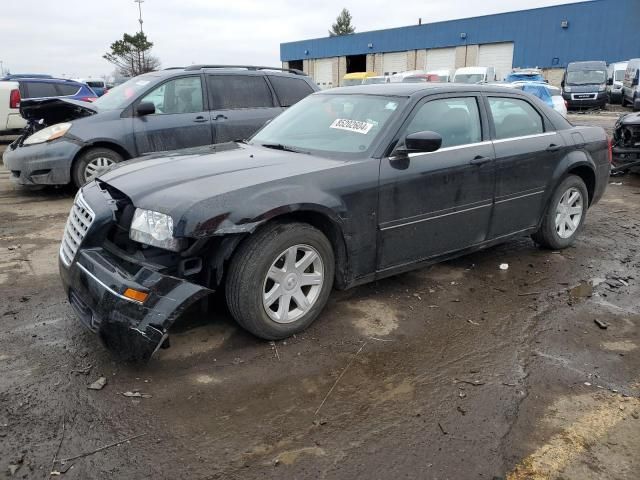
457,120
67,89
182,95
41,89
230,92
290,90
513,117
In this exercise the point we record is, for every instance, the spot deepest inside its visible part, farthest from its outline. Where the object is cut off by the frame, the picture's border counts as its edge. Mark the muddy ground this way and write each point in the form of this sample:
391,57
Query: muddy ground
456,371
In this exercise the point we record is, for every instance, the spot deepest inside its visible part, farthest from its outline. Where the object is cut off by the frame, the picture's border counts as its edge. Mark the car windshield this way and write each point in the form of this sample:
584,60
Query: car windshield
619,75
534,77
586,77
120,96
469,78
95,83
333,125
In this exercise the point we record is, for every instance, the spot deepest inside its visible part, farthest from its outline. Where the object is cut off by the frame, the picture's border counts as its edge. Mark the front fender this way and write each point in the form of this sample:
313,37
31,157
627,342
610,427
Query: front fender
247,214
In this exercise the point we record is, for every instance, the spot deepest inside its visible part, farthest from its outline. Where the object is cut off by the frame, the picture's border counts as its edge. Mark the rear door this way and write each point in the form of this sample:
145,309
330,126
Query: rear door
240,105
434,203
180,120
527,149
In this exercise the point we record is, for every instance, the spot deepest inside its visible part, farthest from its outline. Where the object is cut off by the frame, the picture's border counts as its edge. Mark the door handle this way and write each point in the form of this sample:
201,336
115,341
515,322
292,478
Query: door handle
479,160
220,117
553,148
200,119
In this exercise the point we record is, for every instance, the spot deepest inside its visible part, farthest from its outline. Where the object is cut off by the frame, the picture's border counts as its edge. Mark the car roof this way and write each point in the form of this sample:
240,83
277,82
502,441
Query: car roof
49,80
410,89
242,69
589,64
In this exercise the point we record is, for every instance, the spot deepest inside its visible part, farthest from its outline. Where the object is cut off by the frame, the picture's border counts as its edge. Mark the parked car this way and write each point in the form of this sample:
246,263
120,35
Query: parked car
421,78
33,88
10,120
375,80
626,142
474,75
331,192
13,92
97,85
356,78
584,85
525,75
400,76
549,94
615,77
16,76
167,110
443,75
630,88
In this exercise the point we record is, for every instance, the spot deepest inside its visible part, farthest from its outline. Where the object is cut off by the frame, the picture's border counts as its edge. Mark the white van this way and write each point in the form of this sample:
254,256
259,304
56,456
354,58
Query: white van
443,75
630,88
475,75
615,76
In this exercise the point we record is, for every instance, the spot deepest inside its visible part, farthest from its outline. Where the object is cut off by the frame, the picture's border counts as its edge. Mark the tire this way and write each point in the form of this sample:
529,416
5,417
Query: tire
262,258
558,236
93,157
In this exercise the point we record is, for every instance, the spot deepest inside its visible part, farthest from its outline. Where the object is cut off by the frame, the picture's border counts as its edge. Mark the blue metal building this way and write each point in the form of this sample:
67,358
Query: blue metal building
548,37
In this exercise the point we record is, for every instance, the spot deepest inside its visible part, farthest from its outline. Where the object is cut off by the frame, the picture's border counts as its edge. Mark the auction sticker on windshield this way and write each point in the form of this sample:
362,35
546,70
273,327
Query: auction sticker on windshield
351,125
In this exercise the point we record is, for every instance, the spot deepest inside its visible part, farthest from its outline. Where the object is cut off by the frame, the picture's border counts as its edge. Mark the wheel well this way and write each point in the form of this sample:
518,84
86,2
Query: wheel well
588,177
112,146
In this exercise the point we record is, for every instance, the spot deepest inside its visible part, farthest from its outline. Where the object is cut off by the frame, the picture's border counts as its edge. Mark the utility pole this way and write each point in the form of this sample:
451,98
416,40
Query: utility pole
139,2
1,69
141,62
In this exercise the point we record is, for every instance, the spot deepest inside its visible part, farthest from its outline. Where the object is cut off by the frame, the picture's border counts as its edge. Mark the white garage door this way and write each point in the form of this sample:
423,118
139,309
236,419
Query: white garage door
498,55
441,59
395,62
323,73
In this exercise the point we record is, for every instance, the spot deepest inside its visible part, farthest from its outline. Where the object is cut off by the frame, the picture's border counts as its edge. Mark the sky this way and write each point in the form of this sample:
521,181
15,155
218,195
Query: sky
69,38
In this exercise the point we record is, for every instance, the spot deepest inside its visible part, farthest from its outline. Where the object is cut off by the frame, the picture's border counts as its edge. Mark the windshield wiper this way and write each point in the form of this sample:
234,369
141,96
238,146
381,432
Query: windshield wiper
284,148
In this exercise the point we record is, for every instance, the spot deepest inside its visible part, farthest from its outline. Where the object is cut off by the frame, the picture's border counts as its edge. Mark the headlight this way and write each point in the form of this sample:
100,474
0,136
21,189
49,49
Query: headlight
154,228
48,134
603,87
567,89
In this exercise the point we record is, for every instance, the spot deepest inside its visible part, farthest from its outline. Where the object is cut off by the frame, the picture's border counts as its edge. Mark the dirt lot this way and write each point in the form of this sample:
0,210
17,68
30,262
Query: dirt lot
457,371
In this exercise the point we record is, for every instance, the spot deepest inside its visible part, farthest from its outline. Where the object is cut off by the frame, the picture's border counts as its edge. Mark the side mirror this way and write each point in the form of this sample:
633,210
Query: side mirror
634,82
145,108
610,81
562,83
421,142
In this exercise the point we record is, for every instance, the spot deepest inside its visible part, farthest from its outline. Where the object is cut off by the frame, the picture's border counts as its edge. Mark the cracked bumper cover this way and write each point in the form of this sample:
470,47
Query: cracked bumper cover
94,284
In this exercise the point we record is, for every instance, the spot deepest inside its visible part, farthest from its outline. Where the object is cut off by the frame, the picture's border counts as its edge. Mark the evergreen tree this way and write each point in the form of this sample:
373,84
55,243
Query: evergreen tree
343,24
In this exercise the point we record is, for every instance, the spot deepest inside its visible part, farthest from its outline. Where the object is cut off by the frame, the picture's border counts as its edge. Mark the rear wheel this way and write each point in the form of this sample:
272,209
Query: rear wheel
92,163
565,215
280,279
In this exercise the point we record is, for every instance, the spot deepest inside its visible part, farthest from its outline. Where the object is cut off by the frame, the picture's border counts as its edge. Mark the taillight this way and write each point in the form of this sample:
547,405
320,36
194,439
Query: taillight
610,148
88,99
14,98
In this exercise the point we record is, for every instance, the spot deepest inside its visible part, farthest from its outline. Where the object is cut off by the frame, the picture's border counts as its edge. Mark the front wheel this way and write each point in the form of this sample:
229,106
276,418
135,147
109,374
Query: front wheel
565,215
280,279
92,163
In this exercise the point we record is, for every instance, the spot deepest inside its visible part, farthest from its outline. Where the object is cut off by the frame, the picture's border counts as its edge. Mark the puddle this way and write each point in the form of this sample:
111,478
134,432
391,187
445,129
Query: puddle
376,319
291,456
582,290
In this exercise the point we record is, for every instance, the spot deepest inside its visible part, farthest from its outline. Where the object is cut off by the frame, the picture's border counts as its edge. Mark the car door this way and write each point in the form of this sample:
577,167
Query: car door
434,203
527,149
180,119
240,105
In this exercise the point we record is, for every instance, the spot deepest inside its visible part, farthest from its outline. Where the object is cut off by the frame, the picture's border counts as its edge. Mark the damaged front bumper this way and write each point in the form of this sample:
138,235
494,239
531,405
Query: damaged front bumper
95,284
41,164
626,142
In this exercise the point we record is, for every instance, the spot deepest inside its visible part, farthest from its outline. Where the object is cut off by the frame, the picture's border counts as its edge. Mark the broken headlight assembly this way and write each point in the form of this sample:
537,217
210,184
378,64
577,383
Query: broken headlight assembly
48,134
156,229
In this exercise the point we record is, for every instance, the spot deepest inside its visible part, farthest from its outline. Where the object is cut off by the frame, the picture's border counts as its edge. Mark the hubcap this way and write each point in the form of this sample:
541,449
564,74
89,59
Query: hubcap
293,283
96,166
569,213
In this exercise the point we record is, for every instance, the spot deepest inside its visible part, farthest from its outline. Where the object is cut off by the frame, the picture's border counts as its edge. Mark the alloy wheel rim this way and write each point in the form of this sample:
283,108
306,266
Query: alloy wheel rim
569,213
293,283
96,166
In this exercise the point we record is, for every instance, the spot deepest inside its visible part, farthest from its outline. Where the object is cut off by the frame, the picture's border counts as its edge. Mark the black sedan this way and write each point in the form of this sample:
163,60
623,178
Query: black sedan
347,186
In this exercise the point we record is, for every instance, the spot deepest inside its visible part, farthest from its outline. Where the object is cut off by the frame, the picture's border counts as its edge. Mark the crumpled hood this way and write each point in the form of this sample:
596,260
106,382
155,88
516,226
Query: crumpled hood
629,119
179,181
55,110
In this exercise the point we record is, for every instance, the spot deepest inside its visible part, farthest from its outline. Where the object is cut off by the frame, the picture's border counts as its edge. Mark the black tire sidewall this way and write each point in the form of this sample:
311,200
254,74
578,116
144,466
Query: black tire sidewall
252,315
77,171
552,237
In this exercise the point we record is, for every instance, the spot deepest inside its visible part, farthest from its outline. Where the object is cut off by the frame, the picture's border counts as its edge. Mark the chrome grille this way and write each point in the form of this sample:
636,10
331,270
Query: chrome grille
78,223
